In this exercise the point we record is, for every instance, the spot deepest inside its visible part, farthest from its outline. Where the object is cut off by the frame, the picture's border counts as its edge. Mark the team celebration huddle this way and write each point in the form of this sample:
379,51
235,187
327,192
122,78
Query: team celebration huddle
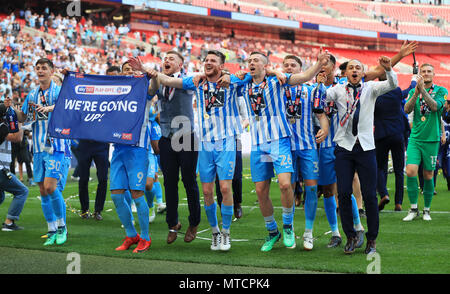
315,126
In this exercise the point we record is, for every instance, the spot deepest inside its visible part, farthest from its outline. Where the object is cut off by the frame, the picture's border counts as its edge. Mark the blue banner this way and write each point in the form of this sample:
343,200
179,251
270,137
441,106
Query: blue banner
101,108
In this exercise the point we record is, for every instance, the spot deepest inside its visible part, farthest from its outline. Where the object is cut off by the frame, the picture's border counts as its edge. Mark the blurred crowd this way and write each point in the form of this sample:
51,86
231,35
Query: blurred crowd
85,45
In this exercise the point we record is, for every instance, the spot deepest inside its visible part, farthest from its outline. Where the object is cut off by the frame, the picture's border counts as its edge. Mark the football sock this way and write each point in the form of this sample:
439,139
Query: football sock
47,209
428,191
56,197
310,206
124,213
150,197
355,211
211,215
288,216
52,227
308,233
413,189
157,191
128,197
271,224
143,217
330,211
129,200
227,216
63,205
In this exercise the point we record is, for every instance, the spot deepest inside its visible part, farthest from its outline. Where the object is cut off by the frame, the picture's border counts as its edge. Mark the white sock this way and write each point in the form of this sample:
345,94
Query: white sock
336,233
414,206
308,233
359,227
52,227
60,222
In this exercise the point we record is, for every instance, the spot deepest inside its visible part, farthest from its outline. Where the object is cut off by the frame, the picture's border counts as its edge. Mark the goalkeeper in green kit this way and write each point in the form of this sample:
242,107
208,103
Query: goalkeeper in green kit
427,101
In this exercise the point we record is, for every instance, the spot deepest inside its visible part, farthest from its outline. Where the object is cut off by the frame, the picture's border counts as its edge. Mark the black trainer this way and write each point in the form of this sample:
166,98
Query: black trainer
360,239
350,247
85,214
370,247
11,227
97,216
335,241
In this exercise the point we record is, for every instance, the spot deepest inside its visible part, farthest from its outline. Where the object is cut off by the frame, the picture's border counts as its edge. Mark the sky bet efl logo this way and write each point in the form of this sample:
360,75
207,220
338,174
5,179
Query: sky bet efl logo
123,136
102,90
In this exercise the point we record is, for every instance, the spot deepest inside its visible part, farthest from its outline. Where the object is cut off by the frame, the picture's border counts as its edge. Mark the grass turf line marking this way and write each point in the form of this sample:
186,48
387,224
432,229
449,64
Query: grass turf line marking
251,207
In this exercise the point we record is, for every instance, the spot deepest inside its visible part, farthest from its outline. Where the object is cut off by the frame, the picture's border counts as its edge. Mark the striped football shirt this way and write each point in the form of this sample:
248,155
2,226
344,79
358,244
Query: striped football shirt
303,128
267,116
218,109
334,119
41,141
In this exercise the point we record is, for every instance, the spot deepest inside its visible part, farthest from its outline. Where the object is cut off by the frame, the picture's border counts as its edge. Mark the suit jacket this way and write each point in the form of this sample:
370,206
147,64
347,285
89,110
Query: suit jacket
389,117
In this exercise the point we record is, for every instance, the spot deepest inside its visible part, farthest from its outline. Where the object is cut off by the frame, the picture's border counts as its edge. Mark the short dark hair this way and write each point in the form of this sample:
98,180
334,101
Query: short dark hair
112,69
333,59
354,59
176,53
297,59
45,61
218,54
426,64
343,66
260,53
123,64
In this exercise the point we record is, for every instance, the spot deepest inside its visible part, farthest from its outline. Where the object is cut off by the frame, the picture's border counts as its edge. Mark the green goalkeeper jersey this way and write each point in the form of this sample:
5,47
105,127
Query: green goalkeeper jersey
427,124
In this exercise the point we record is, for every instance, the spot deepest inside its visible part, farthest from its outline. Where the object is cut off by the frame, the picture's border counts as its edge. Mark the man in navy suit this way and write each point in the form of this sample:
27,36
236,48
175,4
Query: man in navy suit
390,125
355,145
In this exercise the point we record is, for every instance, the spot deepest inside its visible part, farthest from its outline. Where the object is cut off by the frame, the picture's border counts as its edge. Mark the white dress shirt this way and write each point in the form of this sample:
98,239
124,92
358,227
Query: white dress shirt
370,91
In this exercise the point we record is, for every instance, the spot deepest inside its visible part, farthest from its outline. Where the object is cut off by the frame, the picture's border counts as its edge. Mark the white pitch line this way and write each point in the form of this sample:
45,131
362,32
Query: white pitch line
202,231
233,240
244,206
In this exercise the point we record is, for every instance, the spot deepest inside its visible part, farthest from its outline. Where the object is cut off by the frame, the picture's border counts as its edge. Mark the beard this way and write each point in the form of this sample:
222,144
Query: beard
428,81
212,72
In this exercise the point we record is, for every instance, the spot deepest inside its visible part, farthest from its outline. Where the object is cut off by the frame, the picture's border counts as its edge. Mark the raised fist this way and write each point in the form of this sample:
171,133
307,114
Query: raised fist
385,62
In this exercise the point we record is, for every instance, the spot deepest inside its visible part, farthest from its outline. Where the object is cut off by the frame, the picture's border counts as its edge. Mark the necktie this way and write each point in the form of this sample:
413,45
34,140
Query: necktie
168,91
356,115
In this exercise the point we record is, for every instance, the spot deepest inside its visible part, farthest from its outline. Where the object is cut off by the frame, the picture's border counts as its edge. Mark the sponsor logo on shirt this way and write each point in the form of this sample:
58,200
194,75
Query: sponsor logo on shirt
65,132
127,136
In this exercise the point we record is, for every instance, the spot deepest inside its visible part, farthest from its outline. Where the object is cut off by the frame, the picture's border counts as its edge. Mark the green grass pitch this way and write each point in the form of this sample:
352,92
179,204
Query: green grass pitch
415,247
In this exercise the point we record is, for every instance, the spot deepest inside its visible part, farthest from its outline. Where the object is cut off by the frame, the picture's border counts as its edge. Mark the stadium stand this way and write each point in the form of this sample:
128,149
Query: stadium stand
149,41
367,15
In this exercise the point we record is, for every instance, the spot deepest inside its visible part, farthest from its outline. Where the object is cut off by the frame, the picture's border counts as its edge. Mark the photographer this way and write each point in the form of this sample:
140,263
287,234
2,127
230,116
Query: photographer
10,132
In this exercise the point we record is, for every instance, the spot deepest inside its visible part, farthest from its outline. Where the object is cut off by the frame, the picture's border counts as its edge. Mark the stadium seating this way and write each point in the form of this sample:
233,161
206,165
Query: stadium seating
300,5
365,15
421,29
360,14
306,13
405,14
347,9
